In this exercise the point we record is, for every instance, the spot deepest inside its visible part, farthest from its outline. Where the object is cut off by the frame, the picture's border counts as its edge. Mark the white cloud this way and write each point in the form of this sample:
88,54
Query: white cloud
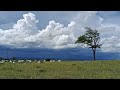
71,24
25,33
88,18
28,23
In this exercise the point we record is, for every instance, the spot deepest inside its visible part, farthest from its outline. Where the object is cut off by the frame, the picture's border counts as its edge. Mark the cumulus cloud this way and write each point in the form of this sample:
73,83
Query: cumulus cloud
22,29
25,33
28,23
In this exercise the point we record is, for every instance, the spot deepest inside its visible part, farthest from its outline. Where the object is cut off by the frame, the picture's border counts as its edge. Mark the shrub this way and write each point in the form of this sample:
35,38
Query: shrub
1,58
48,59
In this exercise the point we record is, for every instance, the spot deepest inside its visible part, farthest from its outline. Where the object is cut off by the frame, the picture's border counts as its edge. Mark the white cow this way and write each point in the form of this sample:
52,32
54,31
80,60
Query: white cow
39,62
1,61
44,60
53,60
29,60
13,62
59,60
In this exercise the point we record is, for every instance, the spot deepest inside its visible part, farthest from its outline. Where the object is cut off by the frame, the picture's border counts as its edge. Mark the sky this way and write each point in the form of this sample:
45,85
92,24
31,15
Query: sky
52,34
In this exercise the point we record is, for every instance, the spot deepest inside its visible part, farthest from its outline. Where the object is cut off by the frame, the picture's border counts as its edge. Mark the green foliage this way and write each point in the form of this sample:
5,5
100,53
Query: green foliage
81,39
91,38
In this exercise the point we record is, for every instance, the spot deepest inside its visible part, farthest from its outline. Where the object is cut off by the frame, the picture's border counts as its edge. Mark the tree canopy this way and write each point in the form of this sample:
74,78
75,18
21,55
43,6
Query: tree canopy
91,38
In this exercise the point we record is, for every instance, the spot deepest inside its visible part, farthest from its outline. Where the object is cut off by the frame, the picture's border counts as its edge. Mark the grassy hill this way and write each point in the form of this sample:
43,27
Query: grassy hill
61,70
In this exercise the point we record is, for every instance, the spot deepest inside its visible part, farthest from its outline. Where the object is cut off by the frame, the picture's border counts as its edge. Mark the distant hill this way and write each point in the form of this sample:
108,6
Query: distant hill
65,54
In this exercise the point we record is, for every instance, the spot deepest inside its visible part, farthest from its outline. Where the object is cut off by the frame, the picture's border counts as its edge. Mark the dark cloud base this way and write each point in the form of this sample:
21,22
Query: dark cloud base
64,54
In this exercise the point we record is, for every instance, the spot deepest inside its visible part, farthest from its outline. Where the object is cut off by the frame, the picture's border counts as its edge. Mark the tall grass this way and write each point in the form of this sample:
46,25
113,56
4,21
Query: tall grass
61,70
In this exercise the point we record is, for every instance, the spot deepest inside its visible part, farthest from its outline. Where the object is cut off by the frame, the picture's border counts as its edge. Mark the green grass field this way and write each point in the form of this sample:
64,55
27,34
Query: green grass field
61,70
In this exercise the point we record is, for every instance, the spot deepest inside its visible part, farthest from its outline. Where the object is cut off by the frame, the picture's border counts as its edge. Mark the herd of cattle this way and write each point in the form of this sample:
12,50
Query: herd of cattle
23,61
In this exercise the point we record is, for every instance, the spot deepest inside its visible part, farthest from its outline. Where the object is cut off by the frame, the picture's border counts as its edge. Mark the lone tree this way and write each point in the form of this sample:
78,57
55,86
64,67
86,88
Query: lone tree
91,38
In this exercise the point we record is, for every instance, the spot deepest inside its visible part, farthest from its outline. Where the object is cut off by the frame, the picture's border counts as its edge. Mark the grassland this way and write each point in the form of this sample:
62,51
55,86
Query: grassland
61,70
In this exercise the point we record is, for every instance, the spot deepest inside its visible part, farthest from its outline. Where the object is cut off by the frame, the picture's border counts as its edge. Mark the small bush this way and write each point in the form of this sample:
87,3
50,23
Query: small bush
48,59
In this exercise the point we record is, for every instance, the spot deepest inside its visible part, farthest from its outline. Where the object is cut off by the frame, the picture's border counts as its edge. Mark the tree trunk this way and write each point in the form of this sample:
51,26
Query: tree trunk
94,52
